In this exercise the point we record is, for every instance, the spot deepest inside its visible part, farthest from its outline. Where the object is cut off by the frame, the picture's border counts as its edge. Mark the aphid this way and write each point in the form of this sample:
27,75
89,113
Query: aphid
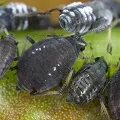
114,95
88,82
8,50
85,17
46,63
113,6
22,22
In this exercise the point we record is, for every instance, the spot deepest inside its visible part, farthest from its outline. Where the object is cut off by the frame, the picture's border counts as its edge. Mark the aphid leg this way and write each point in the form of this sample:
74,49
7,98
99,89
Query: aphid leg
16,59
52,33
67,81
18,55
109,50
115,22
118,64
13,68
17,88
92,55
99,25
25,42
6,31
24,46
109,46
34,92
30,40
104,109
17,43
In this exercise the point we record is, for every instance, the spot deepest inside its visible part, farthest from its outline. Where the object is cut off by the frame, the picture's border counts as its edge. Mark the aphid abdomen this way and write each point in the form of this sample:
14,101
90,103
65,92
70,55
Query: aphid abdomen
8,52
45,64
114,95
77,17
87,83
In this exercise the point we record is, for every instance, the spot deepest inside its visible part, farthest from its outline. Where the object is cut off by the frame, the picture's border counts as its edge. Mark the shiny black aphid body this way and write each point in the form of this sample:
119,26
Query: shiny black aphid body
85,17
46,63
22,22
8,50
114,95
87,82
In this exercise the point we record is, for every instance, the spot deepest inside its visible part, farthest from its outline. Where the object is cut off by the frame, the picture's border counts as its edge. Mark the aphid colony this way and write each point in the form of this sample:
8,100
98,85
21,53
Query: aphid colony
49,61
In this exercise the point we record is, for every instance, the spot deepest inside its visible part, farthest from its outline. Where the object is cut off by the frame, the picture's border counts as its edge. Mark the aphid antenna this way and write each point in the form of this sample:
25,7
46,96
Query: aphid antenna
39,13
54,9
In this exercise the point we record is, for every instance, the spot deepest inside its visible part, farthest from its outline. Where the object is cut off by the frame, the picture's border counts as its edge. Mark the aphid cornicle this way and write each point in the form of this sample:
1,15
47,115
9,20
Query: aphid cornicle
46,63
88,82
8,50
114,95
85,17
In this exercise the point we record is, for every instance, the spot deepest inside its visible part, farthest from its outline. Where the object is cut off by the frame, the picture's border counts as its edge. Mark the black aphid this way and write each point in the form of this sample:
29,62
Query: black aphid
46,63
8,50
85,17
88,82
114,95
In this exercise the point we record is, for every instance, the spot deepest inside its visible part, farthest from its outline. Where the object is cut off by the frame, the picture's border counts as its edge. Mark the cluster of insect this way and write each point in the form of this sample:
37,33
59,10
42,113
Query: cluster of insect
50,61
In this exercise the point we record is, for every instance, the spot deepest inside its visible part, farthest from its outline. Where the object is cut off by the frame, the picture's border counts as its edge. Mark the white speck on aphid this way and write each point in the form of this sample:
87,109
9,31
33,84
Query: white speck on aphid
44,46
54,68
49,74
58,64
40,49
45,80
37,49
33,52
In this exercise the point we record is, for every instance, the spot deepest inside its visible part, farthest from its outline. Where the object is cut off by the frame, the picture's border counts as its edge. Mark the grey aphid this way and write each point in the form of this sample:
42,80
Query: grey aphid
88,82
8,50
85,17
